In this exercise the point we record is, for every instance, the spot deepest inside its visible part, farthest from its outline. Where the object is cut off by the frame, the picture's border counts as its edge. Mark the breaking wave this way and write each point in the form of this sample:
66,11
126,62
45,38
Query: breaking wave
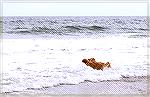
65,25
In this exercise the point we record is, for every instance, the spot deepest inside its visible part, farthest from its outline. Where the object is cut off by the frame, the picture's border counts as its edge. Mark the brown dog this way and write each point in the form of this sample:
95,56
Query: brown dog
96,65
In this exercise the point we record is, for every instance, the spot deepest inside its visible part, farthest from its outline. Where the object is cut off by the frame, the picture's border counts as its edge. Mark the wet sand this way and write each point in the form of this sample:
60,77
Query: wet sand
125,86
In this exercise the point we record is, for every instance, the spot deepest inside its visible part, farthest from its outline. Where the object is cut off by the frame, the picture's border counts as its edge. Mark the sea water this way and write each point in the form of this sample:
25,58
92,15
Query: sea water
40,52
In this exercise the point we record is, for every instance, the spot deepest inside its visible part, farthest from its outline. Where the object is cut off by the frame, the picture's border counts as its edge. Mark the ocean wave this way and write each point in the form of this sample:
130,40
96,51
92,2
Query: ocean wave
144,29
138,36
58,30
73,27
96,28
93,28
65,25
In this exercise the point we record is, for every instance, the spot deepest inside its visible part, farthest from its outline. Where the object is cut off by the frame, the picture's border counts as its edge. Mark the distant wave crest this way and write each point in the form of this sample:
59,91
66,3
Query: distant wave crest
63,29
74,25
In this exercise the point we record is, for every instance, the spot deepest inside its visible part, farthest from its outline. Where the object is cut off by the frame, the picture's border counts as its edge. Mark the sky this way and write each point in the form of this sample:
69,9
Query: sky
74,9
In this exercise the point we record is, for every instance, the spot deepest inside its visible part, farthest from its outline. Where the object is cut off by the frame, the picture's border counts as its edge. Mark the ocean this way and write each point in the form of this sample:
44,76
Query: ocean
39,52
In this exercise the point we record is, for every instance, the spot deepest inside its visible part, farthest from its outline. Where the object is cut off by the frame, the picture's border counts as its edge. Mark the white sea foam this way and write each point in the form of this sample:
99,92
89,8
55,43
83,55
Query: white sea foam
29,63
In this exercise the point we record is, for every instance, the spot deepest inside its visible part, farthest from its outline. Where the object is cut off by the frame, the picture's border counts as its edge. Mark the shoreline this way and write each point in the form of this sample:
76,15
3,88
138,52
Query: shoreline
125,86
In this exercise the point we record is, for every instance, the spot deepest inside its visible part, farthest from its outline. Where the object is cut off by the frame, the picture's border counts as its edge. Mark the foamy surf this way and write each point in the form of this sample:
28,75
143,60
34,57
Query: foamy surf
46,63
41,52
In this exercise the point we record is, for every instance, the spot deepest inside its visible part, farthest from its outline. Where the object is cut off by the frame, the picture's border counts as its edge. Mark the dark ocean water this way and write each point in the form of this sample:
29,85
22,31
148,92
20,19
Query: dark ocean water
74,27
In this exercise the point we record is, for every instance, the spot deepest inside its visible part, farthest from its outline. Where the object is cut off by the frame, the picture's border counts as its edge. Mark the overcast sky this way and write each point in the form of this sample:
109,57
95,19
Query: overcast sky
74,9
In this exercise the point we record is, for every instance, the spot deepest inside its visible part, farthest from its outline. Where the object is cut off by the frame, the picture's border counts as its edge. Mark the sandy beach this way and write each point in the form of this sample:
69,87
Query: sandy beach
125,86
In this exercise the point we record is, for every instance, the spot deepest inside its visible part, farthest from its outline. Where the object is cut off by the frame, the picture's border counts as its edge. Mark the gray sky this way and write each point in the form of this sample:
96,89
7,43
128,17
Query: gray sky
74,9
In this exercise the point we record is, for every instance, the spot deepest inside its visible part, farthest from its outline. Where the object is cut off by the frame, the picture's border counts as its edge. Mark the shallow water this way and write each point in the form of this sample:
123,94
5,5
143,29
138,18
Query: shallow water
45,58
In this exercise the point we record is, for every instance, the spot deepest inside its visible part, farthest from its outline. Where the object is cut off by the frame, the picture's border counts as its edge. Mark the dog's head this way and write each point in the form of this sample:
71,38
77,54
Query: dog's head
84,60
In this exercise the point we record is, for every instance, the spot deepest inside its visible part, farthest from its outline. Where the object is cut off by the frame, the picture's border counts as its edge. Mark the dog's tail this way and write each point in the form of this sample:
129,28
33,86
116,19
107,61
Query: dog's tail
108,65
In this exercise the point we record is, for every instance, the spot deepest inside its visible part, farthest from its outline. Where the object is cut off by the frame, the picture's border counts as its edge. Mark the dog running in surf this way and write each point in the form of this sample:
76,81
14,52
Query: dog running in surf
96,65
